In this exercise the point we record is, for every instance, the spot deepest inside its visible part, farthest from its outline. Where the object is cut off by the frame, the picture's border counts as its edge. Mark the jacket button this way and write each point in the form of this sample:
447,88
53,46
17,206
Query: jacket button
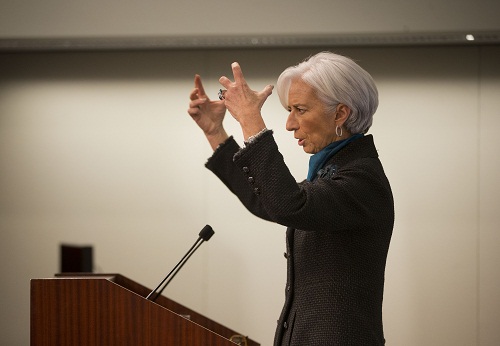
251,180
256,191
285,325
246,169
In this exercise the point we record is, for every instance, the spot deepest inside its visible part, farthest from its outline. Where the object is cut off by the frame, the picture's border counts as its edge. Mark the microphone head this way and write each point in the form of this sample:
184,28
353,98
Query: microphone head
206,233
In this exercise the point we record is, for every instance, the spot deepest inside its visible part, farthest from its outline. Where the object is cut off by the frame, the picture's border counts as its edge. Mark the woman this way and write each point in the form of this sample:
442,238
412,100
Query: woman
339,220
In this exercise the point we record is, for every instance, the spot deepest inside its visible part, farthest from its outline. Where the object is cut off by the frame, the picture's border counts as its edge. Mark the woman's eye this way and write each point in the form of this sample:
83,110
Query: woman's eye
297,110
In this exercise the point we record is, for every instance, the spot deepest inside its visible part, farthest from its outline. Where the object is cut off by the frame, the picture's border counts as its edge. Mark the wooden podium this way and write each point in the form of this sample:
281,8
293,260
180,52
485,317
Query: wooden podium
110,309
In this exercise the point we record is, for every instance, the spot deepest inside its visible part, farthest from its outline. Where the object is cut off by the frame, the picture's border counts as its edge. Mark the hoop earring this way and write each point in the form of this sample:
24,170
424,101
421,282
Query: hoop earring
337,131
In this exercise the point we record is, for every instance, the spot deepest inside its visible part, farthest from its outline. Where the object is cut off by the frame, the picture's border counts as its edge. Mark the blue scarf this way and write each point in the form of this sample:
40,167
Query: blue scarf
317,161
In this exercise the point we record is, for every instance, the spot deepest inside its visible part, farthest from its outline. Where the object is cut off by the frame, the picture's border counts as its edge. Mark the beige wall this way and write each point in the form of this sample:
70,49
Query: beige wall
97,148
200,18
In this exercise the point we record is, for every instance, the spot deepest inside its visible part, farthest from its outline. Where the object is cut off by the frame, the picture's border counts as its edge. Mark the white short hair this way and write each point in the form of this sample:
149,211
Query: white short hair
336,79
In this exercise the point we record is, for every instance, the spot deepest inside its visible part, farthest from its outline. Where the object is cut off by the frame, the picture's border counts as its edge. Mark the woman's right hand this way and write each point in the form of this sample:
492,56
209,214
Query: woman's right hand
207,114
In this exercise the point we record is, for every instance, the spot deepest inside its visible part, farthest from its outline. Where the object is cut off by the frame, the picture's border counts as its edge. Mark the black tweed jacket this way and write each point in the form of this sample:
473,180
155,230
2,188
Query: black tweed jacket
338,231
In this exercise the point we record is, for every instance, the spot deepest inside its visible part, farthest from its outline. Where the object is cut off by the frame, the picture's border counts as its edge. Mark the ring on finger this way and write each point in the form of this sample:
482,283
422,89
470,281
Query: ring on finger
221,94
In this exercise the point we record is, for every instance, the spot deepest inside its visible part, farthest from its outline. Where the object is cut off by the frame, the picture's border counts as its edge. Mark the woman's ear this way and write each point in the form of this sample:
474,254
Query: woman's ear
342,113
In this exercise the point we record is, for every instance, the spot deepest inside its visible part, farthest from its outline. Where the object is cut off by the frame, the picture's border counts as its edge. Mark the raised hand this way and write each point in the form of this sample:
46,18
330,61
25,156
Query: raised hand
243,103
207,114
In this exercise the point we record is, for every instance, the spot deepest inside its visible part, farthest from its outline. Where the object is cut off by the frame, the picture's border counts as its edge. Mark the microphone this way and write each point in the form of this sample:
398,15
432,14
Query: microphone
205,234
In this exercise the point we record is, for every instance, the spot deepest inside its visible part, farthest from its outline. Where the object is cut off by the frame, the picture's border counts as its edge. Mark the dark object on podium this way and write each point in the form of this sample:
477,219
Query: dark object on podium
110,309
76,259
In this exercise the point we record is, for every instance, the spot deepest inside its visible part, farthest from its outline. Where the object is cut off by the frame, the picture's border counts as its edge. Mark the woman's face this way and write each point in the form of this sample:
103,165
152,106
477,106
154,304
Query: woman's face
312,125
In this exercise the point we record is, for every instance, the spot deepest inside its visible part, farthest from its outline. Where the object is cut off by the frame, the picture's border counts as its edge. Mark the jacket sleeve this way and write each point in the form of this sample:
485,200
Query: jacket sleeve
260,178
235,178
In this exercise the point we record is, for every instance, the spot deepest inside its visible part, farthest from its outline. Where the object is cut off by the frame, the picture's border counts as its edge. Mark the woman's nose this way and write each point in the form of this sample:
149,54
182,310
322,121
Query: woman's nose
291,122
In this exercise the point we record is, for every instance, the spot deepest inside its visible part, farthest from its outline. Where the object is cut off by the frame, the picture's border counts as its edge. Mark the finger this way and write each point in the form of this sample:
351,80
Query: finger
237,73
193,111
268,90
197,103
199,85
225,82
194,94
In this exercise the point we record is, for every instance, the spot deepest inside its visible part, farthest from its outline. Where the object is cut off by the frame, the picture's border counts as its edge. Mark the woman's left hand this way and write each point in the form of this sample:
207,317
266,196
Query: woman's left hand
243,103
